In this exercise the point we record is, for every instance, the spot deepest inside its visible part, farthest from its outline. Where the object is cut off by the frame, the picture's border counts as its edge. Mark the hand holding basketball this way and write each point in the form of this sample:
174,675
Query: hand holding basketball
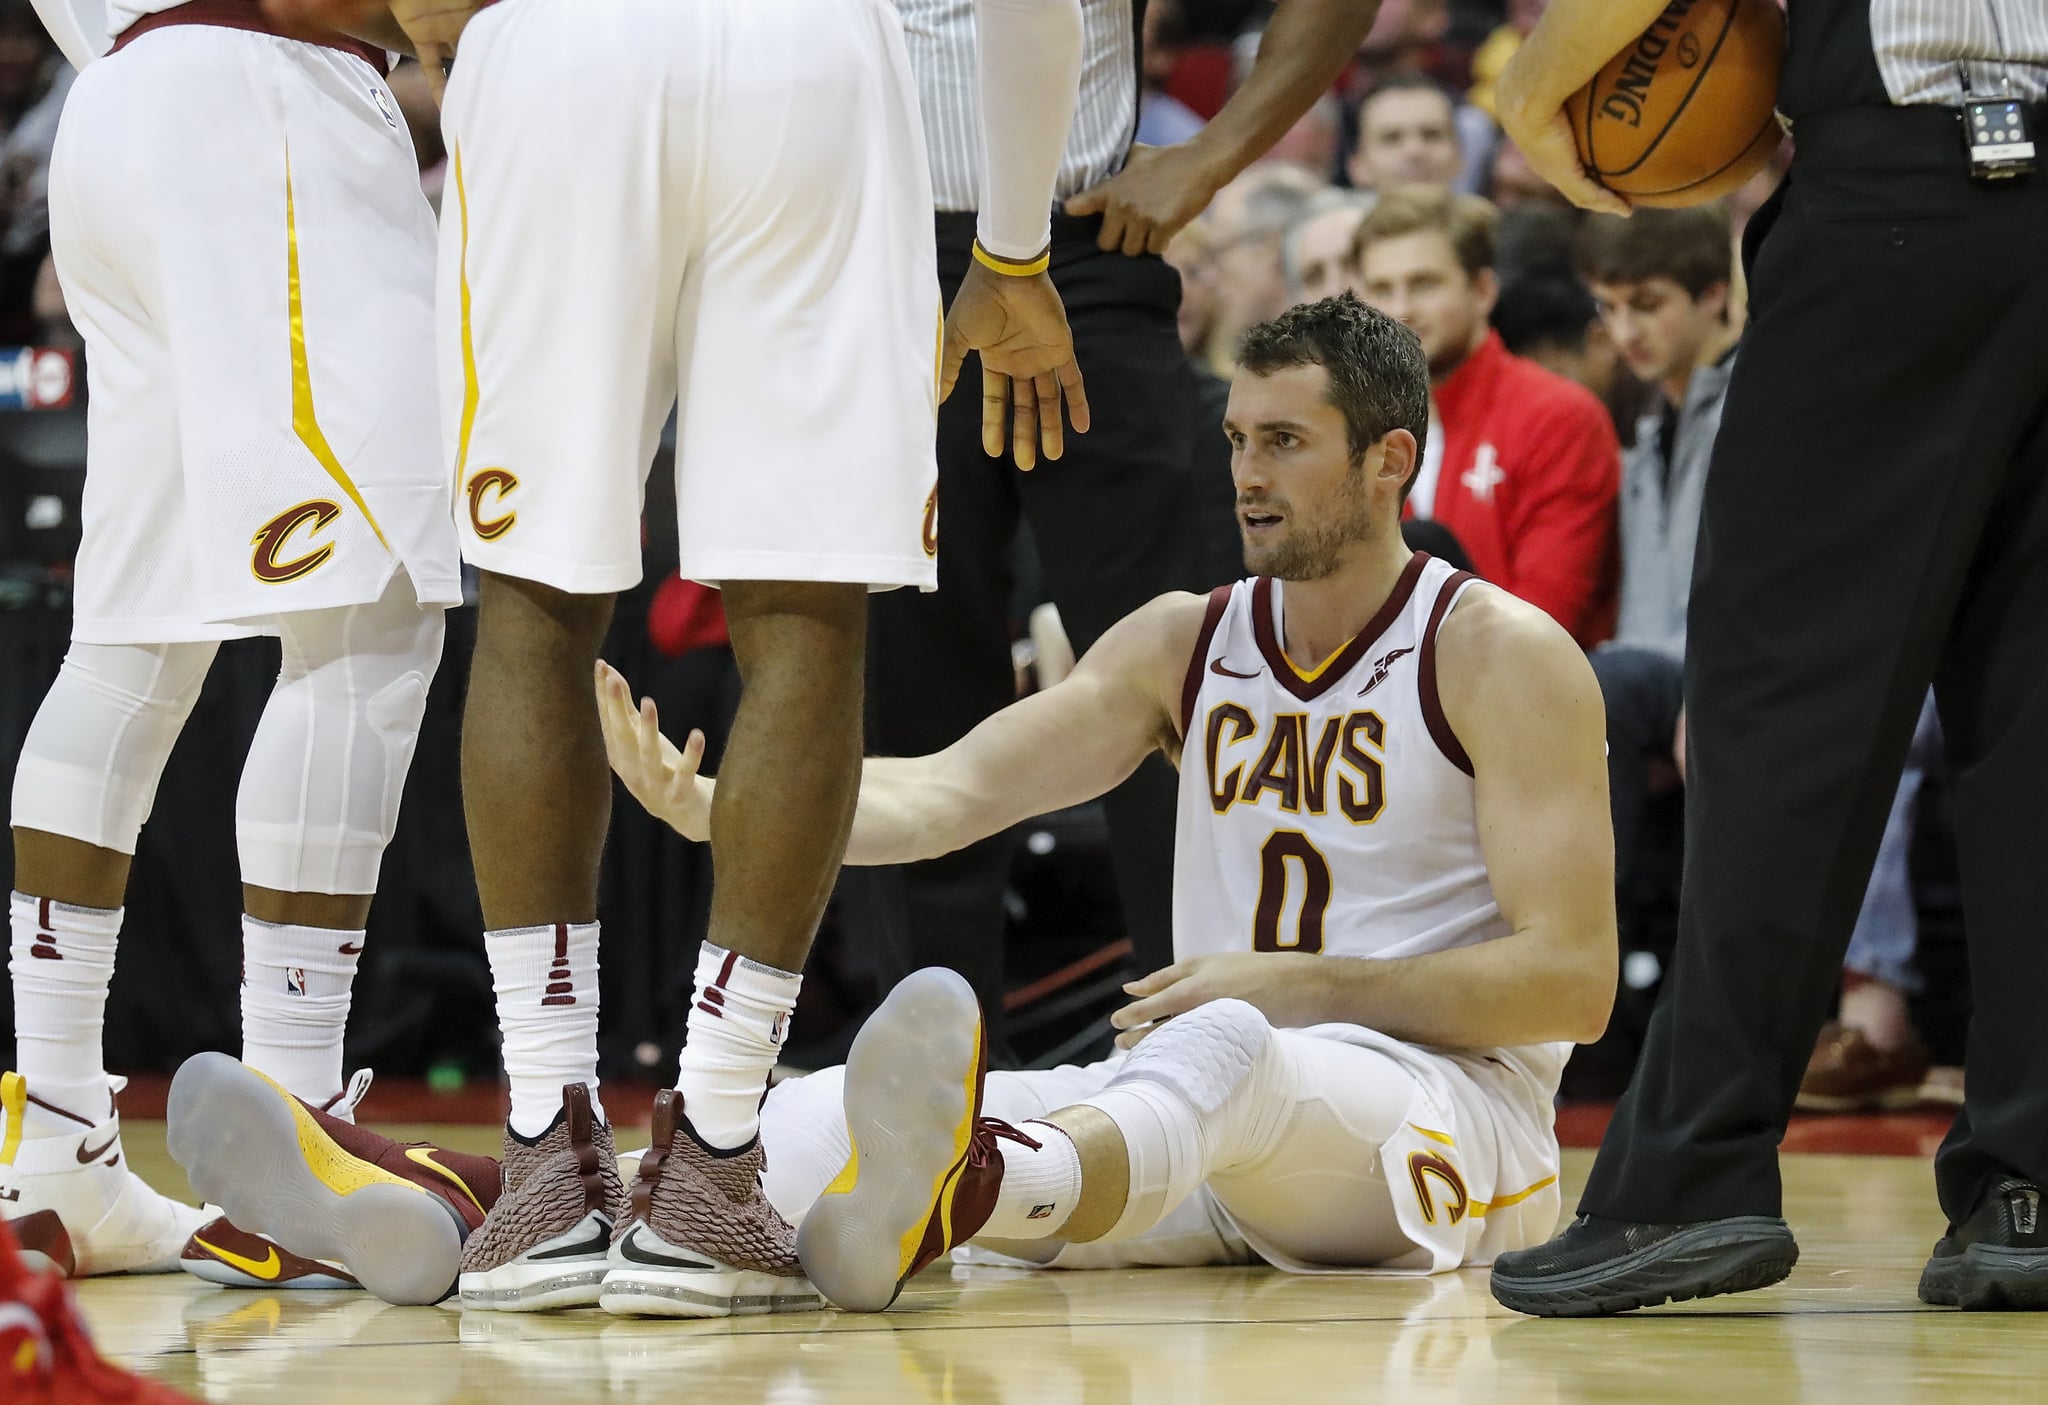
655,772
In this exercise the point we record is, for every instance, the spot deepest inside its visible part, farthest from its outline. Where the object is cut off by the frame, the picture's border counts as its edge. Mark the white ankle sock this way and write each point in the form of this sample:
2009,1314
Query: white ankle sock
62,960
546,981
1040,1188
738,1020
295,998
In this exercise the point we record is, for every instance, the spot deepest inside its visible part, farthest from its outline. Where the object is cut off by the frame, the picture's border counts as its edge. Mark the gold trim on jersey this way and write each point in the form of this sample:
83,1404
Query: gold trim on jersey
1444,1138
1480,1208
469,381
1311,675
305,423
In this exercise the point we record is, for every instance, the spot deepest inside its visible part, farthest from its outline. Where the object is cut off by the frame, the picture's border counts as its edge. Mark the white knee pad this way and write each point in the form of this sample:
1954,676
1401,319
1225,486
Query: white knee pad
96,750
320,790
1187,1101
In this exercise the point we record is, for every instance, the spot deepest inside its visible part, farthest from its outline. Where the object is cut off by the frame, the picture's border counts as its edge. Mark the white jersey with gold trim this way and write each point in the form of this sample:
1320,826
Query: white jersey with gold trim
1334,811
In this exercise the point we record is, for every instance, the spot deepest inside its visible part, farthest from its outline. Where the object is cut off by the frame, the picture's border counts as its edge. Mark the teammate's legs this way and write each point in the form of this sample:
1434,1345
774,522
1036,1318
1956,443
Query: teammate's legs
317,806
85,783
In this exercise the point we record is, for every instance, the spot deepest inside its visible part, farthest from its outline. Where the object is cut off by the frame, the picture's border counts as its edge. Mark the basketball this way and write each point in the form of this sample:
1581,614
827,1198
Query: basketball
1685,114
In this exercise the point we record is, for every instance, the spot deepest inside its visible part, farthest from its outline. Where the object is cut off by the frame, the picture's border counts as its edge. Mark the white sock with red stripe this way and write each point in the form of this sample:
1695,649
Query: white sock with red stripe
62,960
546,982
295,998
738,1020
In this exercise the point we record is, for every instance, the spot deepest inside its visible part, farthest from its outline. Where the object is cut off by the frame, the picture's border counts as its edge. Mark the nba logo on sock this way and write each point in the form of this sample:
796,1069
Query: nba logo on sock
1040,1212
780,1031
294,980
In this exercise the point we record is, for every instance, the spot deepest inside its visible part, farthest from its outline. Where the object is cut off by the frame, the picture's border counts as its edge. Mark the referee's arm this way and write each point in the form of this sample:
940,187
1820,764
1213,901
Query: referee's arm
1161,188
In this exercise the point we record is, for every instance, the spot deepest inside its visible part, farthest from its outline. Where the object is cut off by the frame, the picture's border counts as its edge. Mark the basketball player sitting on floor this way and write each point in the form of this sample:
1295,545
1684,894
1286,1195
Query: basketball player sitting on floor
1430,795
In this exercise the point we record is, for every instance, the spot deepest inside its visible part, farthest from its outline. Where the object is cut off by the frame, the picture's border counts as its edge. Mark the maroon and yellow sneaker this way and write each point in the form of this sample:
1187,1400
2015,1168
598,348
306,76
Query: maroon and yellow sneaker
393,1216
220,1253
925,1168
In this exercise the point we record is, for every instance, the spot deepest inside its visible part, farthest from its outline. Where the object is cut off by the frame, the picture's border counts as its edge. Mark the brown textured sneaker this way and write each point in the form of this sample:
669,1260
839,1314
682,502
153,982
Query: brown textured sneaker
543,1244
924,1167
1849,1073
702,1239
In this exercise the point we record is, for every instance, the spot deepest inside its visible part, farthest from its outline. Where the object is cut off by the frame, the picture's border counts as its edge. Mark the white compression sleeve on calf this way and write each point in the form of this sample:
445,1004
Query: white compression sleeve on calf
350,696
1029,64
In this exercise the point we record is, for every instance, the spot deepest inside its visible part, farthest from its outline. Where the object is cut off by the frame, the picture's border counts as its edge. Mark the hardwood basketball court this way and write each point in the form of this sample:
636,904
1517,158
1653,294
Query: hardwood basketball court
1846,1327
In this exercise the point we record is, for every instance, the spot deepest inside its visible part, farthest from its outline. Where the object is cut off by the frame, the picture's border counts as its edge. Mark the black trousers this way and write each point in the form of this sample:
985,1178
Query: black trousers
1876,518
1115,525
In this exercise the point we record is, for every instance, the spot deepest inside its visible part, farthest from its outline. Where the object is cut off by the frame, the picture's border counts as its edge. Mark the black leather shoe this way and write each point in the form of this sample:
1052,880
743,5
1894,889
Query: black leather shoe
1997,1258
1599,1266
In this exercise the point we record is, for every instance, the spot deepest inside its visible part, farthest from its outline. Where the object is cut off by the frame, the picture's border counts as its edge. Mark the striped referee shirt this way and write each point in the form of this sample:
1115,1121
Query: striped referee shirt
1854,53
941,38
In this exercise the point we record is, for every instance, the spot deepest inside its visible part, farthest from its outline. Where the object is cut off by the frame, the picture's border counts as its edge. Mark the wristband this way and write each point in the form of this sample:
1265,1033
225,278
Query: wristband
1014,268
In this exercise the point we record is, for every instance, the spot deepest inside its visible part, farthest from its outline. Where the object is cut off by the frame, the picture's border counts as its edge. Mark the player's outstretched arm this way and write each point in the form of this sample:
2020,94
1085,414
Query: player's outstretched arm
1056,748
1572,42
1523,702
1028,56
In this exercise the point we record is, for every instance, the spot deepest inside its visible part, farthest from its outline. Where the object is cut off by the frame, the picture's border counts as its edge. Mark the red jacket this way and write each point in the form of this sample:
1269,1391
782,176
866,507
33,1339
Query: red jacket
1530,478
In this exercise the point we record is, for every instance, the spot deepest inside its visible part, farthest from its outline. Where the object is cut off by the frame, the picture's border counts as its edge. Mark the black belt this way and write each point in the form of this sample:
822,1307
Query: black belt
956,228
1892,138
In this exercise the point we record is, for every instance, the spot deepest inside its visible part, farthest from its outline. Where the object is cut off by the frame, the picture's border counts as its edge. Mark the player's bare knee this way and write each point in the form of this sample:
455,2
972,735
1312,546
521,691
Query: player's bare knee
529,620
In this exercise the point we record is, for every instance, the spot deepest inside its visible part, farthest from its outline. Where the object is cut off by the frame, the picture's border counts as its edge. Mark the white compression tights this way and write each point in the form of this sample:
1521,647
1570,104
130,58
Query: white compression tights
320,789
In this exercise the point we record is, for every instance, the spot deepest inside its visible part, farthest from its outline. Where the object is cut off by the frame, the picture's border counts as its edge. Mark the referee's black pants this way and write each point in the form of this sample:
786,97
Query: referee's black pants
1876,518
1114,520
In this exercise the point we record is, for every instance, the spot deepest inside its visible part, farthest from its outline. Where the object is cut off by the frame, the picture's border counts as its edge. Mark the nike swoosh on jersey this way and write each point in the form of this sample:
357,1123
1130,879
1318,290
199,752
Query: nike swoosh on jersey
1217,667
86,1158
424,1156
267,1268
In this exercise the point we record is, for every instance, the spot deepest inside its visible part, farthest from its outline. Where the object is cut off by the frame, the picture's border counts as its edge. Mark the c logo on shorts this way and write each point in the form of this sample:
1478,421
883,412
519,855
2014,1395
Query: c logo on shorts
270,538
1424,1164
931,523
485,480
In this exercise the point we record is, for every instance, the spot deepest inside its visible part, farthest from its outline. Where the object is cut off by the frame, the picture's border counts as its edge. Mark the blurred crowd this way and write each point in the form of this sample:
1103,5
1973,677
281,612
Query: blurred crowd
1578,364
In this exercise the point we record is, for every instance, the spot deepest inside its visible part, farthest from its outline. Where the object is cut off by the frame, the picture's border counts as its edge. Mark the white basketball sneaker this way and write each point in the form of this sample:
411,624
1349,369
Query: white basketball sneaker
68,1195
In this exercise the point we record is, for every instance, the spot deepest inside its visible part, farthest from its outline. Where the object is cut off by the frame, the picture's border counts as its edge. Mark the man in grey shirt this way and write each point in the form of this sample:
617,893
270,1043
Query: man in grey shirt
1661,282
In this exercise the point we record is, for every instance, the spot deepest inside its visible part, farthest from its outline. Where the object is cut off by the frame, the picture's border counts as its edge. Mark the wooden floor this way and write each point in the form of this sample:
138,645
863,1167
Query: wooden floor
1846,1328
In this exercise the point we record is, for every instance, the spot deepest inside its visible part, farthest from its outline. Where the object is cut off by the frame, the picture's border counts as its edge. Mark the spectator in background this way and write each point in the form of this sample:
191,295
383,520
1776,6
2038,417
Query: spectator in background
1513,183
1407,135
1192,255
1550,318
1248,223
34,79
1163,119
1660,279
1316,253
1312,143
1526,468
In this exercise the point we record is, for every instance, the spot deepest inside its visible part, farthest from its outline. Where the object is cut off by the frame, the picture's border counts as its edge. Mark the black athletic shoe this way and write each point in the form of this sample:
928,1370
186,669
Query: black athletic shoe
1599,1266
1997,1258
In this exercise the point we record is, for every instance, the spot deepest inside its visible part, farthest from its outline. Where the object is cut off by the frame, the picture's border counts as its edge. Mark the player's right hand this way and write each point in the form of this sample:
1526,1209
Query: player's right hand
655,772
1020,328
1544,134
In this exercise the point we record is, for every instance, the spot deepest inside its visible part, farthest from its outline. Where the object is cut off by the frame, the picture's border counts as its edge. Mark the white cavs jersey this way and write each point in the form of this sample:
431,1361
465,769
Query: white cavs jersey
1333,810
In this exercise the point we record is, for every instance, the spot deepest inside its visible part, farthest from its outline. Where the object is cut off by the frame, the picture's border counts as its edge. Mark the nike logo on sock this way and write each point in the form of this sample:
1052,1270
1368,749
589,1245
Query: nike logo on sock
351,948
87,1157
266,1268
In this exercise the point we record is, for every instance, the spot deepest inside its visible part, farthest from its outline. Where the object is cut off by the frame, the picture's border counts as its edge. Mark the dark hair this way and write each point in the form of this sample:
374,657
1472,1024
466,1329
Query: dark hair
1467,221
1379,378
1551,308
1692,247
1405,81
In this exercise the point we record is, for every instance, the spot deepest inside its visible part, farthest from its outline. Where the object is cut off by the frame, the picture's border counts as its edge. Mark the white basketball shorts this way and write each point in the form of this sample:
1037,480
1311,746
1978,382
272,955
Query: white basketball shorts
239,230
721,206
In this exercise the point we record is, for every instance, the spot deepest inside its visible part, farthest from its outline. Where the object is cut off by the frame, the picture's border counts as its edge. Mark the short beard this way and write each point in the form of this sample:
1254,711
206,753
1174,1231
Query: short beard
1316,553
